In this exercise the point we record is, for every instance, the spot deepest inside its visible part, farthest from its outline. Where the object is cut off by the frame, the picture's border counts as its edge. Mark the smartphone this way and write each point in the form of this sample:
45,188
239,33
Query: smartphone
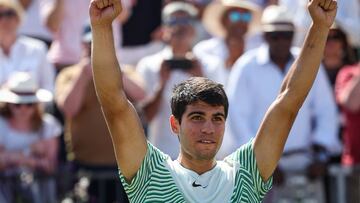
179,63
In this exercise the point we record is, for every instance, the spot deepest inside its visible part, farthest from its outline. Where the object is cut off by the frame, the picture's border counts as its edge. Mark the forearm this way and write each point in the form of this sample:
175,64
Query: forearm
134,91
301,76
72,102
351,96
54,16
106,70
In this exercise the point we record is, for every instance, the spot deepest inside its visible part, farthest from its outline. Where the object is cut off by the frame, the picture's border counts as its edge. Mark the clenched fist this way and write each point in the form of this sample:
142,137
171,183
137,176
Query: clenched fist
323,12
103,12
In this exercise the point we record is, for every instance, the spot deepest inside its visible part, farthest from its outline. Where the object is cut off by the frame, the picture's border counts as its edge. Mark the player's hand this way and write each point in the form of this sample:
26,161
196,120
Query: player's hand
323,12
103,12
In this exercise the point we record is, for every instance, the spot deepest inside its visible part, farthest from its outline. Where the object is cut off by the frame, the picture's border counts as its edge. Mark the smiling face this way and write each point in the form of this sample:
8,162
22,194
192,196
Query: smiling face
201,131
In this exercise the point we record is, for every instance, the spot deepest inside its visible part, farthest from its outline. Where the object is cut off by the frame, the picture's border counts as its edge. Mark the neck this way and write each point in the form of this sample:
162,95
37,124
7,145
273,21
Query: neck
6,43
198,166
20,124
180,49
280,61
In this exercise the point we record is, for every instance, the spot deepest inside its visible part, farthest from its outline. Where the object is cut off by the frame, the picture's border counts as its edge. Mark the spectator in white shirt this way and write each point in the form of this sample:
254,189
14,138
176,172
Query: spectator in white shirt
33,24
255,81
19,53
232,23
166,68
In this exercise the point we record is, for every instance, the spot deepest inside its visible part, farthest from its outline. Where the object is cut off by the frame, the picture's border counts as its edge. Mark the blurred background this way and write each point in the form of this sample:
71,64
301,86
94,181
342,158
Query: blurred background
54,142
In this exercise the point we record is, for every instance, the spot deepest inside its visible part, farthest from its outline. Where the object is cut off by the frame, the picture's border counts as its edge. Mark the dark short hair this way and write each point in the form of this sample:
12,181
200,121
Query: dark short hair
197,89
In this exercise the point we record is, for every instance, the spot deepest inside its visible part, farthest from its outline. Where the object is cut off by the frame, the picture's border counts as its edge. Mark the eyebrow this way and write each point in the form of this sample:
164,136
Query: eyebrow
195,112
202,113
219,114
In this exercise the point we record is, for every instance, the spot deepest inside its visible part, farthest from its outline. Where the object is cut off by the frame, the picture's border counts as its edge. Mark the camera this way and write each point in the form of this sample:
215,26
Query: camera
179,63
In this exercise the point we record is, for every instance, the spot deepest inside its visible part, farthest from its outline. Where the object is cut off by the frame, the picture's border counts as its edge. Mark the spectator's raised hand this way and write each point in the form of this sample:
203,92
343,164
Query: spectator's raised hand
323,12
103,12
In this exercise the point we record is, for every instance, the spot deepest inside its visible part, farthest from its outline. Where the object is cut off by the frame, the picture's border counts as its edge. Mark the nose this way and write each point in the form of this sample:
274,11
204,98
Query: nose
208,127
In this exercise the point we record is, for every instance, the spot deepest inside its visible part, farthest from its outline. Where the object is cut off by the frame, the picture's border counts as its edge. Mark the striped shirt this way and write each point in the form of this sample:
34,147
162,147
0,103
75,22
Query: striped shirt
154,182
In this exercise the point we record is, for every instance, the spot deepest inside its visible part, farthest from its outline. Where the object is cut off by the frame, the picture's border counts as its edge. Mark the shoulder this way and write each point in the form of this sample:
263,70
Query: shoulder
151,62
69,72
208,43
247,62
67,75
51,126
31,44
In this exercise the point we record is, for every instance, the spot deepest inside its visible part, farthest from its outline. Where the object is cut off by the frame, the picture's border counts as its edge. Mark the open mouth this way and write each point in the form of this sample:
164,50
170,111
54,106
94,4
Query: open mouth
206,141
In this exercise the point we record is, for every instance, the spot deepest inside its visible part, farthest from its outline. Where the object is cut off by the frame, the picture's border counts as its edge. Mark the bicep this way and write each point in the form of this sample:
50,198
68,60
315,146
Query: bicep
272,135
128,139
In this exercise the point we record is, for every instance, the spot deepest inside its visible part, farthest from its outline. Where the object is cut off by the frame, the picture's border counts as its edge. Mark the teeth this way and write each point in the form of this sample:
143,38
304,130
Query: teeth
206,141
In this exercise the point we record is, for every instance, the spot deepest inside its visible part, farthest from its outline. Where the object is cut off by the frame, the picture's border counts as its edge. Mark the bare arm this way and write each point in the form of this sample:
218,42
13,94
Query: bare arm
134,91
70,92
125,128
272,135
54,17
350,95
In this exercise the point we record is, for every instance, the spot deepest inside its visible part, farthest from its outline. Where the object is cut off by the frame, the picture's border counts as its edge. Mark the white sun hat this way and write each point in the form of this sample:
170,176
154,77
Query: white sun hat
276,18
215,10
21,88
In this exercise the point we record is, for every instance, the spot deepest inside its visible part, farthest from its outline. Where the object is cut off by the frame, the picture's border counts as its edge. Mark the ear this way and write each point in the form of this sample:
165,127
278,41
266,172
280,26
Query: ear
174,124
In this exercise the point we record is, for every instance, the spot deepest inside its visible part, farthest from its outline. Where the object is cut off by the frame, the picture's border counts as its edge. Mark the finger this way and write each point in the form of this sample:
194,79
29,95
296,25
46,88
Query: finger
106,3
333,5
322,3
116,5
327,4
100,4
313,3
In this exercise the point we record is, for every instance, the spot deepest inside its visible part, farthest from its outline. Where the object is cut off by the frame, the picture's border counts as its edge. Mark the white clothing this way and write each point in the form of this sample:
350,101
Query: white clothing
133,54
254,84
14,140
66,47
159,131
347,17
212,54
215,69
208,183
216,47
28,55
33,22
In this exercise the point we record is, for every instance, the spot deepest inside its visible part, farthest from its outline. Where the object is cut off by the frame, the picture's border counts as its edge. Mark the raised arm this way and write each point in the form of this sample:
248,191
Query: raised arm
275,127
125,128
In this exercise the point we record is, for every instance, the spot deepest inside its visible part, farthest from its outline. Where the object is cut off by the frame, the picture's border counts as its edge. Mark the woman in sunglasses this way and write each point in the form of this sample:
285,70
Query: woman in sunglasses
20,53
28,141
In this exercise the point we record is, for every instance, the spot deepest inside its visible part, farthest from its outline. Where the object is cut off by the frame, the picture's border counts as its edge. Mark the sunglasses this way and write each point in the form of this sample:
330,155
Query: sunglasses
280,35
25,105
179,21
7,14
236,16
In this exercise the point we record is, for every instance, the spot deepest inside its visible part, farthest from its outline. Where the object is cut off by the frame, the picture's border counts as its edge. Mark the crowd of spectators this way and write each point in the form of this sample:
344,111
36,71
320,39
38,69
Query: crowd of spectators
51,127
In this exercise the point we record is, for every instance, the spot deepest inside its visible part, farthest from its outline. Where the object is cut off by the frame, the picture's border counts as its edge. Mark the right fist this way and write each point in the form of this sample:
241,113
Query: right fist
103,12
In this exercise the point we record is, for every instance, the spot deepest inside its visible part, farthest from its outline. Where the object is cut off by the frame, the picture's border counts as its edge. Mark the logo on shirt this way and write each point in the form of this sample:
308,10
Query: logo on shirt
194,184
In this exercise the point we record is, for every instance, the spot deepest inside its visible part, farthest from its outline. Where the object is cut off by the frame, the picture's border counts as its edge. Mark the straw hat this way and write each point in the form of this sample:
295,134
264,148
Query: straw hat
15,5
215,10
21,88
276,18
177,6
